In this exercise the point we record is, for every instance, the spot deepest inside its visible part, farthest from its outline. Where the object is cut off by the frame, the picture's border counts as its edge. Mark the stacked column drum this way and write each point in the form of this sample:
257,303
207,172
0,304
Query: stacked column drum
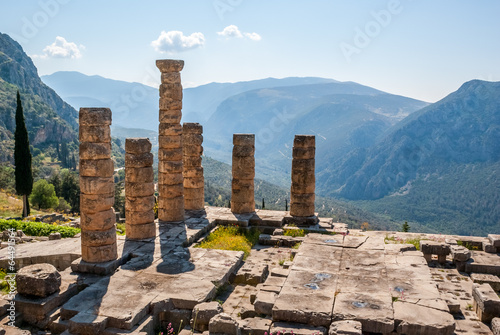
139,189
303,178
194,191
96,186
242,196
170,154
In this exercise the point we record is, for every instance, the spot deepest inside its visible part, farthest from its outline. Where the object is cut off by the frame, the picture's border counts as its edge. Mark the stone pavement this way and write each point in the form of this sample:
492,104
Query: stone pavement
374,279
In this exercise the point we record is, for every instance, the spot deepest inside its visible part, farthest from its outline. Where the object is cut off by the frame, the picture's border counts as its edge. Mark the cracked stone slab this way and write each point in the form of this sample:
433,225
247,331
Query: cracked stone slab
373,310
416,319
322,239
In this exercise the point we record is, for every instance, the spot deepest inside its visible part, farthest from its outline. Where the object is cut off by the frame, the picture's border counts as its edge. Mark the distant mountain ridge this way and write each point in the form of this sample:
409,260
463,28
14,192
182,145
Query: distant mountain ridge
49,119
135,105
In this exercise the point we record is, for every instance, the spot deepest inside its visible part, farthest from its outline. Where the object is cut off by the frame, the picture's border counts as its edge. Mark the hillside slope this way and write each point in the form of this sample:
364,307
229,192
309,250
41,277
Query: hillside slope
49,120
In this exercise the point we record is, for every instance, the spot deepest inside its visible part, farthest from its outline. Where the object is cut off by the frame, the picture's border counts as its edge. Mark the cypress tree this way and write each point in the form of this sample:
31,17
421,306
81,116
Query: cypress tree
22,158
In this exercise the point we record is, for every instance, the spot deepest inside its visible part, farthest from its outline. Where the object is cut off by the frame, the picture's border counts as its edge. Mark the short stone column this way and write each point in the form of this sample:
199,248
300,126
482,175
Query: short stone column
302,194
139,189
97,188
170,166
194,190
242,195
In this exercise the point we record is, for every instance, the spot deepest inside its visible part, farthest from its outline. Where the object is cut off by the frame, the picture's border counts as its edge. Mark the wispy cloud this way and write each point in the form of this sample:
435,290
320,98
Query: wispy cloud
61,49
253,36
230,31
233,31
176,41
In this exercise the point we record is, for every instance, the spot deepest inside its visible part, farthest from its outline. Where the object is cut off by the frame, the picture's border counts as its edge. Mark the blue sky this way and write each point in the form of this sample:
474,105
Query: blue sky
422,49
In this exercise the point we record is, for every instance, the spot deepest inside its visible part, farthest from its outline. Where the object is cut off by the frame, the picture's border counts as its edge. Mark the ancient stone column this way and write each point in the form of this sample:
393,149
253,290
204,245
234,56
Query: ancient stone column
303,178
96,186
170,166
139,189
242,196
194,190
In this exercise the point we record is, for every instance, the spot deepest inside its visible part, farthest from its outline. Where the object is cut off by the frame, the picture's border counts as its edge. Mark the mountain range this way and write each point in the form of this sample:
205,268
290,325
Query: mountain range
434,165
50,120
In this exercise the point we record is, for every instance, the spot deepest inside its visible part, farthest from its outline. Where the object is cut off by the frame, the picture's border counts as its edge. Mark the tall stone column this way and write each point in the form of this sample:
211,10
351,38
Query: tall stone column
96,186
242,196
194,190
170,166
139,189
303,179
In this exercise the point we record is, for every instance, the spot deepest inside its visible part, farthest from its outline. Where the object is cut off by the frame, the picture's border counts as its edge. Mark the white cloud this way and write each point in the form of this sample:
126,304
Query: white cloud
253,36
176,41
230,31
62,49
233,31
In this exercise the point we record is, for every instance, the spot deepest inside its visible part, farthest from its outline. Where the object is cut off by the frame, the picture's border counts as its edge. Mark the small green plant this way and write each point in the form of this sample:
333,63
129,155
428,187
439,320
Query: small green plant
468,245
296,245
31,228
231,238
120,226
394,299
398,240
406,227
294,232
469,307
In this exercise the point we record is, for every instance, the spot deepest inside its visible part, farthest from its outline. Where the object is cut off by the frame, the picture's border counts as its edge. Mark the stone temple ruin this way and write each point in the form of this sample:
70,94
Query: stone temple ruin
338,281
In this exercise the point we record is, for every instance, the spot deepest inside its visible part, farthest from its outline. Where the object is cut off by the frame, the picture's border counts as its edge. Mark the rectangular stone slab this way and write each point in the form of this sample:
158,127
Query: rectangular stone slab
416,319
373,310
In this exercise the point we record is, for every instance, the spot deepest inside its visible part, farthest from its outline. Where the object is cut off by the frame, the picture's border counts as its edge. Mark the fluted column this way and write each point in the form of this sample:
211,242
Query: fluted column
139,189
243,167
192,138
303,178
170,165
96,186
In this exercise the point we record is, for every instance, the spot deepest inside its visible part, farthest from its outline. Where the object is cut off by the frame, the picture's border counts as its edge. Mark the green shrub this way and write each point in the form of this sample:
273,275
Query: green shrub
294,232
31,228
231,238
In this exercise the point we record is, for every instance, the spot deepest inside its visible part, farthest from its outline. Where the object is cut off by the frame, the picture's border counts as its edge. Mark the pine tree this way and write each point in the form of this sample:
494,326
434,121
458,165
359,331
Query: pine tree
22,158
406,227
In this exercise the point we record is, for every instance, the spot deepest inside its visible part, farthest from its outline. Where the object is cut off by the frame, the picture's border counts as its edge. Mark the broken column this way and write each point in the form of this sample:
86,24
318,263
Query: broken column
242,196
139,189
192,140
303,180
96,186
170,166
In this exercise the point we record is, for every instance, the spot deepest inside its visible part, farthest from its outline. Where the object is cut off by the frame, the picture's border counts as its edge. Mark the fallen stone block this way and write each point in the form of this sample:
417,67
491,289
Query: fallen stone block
296,329
416,319
251,274
223,324
54,236
486,302
202,313
39,280
481,278
495,326
459,253
489,248
264,302
279,272
255,326
345,327
495,240
434,248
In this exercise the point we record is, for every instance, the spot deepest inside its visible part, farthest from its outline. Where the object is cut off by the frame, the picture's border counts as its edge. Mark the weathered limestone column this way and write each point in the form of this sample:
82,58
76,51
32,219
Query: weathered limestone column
303,179
242,196
139,189
194,190
96,186
170,166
